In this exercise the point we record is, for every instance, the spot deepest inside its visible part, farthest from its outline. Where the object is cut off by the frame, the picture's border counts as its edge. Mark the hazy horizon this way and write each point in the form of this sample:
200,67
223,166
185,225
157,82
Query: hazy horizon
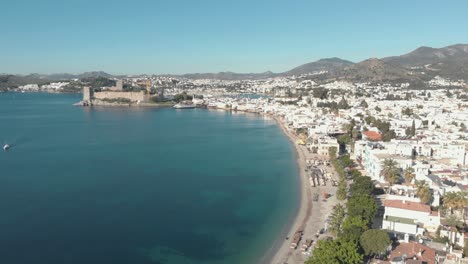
154,37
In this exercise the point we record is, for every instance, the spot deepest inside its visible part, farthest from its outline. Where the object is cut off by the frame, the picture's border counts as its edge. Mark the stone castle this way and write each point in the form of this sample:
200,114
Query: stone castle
98,98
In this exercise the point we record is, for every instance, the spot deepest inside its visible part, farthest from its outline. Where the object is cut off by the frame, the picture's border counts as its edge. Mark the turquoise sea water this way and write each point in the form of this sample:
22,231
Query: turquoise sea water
139,185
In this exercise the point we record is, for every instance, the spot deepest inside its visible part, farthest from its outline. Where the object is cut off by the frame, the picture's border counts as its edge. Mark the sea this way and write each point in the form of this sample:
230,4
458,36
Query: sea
140,185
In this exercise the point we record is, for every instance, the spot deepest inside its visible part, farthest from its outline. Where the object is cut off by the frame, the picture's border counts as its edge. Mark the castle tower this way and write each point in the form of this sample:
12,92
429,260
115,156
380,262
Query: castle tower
87,94
148,86
119,85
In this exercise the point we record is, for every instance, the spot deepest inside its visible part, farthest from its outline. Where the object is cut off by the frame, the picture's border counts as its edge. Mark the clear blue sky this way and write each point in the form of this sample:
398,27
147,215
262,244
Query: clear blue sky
177,36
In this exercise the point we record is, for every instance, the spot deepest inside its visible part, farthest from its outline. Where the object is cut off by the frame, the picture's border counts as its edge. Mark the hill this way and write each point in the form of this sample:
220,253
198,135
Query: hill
374,70
67,76
450,62
422,64
327,64
229,76
427,55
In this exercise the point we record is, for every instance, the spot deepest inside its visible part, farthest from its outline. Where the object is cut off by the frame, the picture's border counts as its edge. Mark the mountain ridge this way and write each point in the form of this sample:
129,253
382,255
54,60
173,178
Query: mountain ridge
450,61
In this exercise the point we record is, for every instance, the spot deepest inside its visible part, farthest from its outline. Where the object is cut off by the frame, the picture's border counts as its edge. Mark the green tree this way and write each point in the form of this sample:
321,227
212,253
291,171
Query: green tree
346,161
182,97
362,206
348,128
332,152
453,222
455,201
336,219
407,111
352,233
362,186
448,93
462,127
408,131
320,92
465,249
335,252
342,191
408,96
356,134
351,221
390,171
369,119
375,241
388,135
364,104
413,129
343,104
355,174
344,139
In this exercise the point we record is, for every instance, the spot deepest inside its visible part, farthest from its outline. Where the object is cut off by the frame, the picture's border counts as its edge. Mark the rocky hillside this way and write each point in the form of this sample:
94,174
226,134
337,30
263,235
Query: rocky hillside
374,70
450,62
329,64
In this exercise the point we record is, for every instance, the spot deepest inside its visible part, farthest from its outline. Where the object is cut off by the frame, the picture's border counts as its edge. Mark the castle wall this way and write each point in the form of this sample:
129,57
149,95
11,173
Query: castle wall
133,96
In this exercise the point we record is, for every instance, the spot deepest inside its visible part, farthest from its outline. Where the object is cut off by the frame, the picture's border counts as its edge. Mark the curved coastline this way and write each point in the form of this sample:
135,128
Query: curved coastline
280,250
309,216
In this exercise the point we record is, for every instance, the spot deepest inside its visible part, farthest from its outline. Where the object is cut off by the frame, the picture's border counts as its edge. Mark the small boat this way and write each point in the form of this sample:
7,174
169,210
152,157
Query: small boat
6,147
184,106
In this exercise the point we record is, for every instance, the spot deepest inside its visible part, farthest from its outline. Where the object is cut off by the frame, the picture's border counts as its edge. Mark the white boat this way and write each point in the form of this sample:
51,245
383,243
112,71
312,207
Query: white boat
184,106
6,147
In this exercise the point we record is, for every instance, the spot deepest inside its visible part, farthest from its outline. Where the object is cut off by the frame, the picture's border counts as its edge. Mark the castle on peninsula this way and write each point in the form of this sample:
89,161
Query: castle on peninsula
115,95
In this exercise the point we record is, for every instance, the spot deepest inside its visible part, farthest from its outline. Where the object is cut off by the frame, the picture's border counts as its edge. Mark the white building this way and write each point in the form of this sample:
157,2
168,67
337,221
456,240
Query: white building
409,217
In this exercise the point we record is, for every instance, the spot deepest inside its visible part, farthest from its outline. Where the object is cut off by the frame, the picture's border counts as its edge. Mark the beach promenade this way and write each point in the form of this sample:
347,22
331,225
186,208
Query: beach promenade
311,215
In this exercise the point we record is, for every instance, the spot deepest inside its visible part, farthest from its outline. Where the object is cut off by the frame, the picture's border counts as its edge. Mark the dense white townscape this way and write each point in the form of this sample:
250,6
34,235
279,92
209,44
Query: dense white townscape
421,132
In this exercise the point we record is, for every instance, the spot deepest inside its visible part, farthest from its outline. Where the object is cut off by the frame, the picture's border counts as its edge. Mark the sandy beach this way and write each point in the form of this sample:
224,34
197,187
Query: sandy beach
311,215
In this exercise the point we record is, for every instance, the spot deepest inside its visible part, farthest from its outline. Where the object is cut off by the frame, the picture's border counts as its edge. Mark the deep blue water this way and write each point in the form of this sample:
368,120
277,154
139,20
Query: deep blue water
139,185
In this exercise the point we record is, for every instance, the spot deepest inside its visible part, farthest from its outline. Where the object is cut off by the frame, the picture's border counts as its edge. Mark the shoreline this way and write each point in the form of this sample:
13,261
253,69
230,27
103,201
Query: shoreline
280,250
121,105
310,216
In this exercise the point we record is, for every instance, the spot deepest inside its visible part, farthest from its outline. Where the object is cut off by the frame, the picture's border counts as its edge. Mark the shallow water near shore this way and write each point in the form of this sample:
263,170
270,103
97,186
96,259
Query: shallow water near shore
140,185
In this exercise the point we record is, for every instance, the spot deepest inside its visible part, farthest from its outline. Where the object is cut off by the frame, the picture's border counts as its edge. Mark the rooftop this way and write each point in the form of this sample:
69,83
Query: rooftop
414,250
406,205
371,135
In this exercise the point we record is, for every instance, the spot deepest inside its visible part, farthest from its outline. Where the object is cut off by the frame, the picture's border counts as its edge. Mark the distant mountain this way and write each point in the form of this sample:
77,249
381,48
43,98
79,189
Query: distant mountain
419,65
427,55
229,76
328,64
13,81
67,76
450,62
374,70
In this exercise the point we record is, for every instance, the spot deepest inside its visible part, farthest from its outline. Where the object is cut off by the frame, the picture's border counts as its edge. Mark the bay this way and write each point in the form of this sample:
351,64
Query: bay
139,185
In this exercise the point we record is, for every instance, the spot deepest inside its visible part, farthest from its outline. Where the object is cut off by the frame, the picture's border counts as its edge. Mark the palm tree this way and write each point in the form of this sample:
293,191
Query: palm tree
454,200
409,175
452,221
423,191
390,171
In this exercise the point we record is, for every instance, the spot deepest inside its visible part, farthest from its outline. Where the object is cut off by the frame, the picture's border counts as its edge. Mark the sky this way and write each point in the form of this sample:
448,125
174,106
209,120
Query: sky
188,36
